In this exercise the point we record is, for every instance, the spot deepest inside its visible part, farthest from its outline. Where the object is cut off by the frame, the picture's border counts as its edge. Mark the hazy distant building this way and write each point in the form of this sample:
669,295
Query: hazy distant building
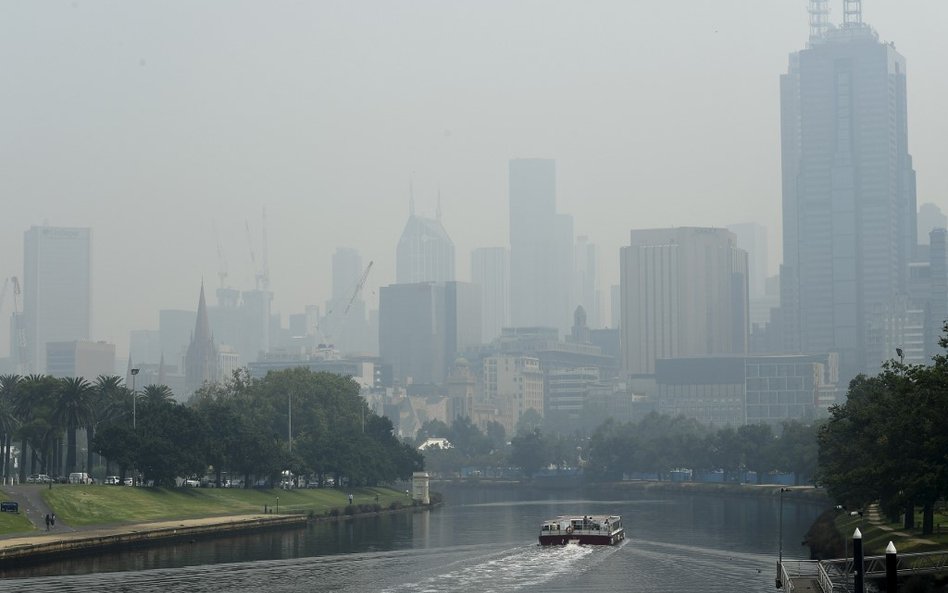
541,248
144,346
615,306
424,326
752,238
175,327
849,213
345,324
80,359
57,290
684,293
202,361
490,271
930,217
514,384
425,252
737,390
586,280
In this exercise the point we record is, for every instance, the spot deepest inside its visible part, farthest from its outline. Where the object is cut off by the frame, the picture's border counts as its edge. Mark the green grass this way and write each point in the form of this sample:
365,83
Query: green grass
875,539
81,505
14,522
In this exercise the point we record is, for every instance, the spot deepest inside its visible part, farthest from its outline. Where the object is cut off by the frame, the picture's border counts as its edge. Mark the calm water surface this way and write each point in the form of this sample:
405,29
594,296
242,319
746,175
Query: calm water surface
480,541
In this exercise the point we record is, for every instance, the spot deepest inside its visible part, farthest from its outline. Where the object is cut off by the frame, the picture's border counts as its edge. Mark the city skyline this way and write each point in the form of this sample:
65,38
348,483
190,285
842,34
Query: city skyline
614,172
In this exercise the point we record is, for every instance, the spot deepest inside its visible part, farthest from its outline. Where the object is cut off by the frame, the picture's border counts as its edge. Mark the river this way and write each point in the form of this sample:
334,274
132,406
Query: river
479,541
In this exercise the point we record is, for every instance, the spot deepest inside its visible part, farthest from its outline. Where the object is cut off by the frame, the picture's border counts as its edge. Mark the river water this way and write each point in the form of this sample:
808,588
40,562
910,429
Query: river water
479,541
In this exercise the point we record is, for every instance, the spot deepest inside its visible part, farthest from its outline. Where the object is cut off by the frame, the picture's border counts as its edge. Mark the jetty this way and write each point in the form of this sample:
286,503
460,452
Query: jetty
836,576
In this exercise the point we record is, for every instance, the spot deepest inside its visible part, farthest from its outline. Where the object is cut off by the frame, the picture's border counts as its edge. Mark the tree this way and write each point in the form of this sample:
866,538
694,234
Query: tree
530,452
73,410
757,448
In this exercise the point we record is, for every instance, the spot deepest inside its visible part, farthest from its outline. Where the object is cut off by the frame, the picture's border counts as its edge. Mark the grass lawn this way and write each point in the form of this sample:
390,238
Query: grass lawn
80,505
14,523
875,539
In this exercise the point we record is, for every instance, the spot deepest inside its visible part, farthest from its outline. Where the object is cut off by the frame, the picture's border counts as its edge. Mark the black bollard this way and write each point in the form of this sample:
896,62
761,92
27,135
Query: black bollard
891,569
858,563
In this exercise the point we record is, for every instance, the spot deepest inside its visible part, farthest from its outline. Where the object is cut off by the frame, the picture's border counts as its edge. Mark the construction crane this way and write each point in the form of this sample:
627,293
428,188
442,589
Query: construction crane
221,260
261,275
358,288
20,330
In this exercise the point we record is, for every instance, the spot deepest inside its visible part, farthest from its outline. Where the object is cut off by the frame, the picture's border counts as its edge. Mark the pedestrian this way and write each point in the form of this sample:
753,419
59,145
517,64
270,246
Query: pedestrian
52,520
350,498
47,521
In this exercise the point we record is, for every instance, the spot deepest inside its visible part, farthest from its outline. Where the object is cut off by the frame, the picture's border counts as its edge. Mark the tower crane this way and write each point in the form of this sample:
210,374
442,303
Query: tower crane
358,288
20,335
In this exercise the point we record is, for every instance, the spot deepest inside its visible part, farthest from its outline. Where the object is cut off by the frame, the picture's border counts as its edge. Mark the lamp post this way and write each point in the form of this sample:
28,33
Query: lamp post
779,582
134,372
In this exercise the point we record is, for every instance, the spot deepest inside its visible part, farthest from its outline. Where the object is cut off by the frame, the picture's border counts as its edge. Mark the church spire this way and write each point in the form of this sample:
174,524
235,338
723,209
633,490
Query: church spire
202,326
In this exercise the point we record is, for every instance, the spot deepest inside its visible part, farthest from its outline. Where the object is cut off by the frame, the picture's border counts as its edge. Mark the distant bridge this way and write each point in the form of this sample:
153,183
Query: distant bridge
836,576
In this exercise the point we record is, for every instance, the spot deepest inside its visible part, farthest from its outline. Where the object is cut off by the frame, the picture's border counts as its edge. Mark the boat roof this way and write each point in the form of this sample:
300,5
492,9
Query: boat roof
564,518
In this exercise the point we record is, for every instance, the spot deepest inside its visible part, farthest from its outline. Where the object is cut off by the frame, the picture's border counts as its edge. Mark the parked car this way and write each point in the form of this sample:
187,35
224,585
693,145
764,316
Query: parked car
129,481
191,483
38,479
113,480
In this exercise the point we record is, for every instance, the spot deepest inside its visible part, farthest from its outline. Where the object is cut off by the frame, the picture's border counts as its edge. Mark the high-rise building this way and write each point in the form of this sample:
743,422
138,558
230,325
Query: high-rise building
425,252
345,324
80,359
541,248
752,238
514,384
490,271
930,217
586,280
57,289
423,328
684,293
849,213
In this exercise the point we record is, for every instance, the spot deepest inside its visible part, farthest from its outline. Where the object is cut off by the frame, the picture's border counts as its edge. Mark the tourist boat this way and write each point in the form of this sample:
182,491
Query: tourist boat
599,530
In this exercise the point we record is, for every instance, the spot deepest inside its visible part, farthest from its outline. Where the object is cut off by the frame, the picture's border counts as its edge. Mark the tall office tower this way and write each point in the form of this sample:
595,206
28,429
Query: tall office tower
615,306
849,221
345,324
490,271
424,327
683,293
541,248
57,289
425,252
585,279
201,363
752,238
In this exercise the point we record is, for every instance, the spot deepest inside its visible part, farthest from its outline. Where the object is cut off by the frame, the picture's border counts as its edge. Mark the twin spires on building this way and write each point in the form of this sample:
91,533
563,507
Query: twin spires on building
819,11
425,252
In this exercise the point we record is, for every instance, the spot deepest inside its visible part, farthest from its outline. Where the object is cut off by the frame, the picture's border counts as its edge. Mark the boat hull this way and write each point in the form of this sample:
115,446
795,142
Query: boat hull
582,539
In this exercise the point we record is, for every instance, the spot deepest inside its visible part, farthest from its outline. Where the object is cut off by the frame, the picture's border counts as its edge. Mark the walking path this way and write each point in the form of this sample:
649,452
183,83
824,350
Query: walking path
31,502
874,516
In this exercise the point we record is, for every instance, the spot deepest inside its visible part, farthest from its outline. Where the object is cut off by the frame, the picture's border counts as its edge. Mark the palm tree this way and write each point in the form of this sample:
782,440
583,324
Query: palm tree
73,410
109,404
157,394
9,421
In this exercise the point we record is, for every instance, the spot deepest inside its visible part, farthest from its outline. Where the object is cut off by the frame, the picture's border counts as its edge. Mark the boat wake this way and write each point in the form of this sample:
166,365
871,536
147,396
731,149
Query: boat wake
507,570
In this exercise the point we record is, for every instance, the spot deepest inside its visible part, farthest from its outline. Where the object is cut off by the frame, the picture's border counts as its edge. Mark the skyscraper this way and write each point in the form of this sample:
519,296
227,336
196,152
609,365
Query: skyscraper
57,289
541,247
848,188
586,281
683,293
345,324
425,252
490,271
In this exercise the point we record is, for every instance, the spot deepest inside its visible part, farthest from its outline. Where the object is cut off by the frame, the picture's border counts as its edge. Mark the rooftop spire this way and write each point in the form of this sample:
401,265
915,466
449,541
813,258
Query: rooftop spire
852,13
202,325
819,18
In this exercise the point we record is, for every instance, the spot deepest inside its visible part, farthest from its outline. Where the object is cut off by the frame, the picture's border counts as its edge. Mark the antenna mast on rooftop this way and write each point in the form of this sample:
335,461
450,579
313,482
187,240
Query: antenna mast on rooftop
819,18
852,13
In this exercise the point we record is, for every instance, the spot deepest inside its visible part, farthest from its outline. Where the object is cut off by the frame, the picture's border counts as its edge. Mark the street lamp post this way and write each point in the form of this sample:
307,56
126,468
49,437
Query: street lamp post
779,582
134,423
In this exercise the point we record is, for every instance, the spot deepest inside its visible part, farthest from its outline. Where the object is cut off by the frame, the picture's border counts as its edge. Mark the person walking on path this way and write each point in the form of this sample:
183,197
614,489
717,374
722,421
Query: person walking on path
350,498
52,519
47,522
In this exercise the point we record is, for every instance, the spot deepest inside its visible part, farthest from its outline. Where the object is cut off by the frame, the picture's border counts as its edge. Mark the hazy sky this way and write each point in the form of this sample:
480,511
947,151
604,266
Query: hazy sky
154,122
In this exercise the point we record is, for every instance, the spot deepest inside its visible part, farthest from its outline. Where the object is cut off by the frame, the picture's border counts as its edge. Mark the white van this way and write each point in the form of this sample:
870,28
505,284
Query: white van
79,478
